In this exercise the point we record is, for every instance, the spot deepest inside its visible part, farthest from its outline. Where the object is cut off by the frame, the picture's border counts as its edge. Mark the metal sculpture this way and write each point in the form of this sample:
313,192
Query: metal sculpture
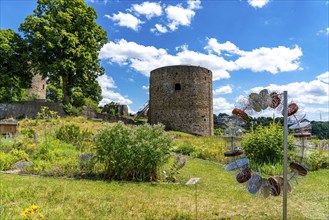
273,185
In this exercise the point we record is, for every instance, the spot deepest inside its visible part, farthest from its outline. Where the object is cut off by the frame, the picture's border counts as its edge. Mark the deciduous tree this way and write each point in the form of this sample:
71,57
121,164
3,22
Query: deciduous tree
15,73
64,40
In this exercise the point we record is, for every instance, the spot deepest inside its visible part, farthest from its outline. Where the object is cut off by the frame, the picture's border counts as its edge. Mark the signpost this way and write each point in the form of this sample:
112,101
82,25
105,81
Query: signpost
194,181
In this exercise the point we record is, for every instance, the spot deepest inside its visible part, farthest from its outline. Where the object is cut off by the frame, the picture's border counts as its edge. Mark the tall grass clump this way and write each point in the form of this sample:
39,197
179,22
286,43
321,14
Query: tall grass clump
132,152
264,145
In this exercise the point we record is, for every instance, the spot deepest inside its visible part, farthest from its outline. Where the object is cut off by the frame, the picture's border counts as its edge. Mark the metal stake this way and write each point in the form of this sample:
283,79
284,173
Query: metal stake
196,201
285,154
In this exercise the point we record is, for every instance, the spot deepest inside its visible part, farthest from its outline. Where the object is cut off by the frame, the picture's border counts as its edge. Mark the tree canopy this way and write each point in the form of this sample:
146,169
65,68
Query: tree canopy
15,72
63,40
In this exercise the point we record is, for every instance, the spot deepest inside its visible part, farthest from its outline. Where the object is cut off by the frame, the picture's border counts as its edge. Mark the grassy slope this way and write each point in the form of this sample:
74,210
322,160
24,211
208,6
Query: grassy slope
219,196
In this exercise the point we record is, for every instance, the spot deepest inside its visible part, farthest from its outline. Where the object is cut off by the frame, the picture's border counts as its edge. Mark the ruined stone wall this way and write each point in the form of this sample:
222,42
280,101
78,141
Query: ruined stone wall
38,87
120,109
181,99
28,109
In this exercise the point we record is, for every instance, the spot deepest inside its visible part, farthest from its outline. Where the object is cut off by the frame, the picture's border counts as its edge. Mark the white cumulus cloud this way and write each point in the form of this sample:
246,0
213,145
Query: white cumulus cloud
221,105
107,84
169,17
223,90
273,60
106,81
177,15
258,3
215,46
126,20
143,59
161,29
149,9
313,92
324,77
311,97
122,51
194,4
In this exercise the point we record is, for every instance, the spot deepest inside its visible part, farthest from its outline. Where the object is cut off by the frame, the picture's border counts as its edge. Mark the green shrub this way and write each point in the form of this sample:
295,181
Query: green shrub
185,148
20,154
7,160
6,144
28,132
134,152
71,110
37,167
72,134
92,104
219,131
316,159
265,144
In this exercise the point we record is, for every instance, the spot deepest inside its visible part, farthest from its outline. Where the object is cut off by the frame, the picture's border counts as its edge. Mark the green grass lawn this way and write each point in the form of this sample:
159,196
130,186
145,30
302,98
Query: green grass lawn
219,197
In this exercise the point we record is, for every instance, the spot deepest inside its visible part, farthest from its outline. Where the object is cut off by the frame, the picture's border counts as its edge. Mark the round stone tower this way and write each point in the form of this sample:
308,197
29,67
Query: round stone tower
38,87
181,99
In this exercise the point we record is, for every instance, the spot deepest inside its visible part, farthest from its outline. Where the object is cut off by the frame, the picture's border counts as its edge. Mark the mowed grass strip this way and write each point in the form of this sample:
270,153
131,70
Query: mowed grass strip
219,196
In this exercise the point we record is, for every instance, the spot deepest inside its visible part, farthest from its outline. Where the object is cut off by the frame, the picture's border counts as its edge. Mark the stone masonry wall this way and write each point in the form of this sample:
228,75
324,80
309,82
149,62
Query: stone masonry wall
181,99
28,109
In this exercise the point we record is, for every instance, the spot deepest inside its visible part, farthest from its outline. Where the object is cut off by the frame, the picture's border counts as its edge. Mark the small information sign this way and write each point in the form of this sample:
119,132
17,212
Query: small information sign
192,181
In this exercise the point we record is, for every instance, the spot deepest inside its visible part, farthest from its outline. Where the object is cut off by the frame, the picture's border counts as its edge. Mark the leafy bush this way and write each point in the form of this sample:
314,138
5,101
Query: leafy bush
28,132
92,104
265,144
219,131
72,134
6,144
185,148
71,110
7,160
20,154
317,159
134,152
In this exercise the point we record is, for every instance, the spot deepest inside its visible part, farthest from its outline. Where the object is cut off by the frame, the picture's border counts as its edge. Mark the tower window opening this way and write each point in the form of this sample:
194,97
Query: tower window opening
177,86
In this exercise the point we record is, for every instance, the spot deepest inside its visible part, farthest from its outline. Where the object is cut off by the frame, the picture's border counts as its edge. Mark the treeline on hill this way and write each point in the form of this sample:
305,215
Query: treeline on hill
320,129
59,41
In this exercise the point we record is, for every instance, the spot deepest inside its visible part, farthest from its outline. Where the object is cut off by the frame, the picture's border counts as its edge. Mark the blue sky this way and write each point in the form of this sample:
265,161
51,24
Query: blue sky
248,45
